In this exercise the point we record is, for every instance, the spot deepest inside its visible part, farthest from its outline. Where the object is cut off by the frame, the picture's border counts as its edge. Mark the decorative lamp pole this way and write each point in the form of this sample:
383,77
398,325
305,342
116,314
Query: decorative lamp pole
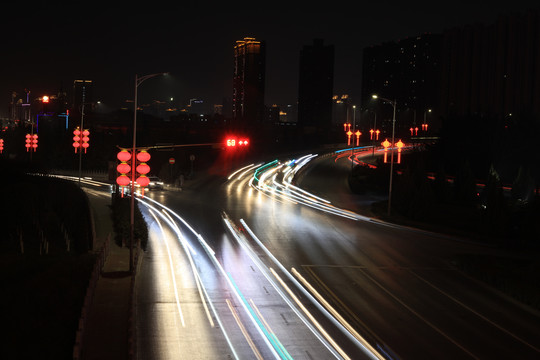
393,103
138,81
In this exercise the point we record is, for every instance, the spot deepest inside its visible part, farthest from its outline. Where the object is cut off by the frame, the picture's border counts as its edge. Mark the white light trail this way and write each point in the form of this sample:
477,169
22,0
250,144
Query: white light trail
227,277
373,355
312,318
172,269
210,251
266,274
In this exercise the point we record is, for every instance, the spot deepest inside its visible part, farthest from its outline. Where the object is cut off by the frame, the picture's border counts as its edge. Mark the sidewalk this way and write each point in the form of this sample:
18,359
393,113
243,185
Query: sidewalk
106,327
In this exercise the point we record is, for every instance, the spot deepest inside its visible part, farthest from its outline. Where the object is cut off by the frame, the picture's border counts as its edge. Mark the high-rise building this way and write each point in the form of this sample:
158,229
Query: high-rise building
315,87
492,70
249,81
407,71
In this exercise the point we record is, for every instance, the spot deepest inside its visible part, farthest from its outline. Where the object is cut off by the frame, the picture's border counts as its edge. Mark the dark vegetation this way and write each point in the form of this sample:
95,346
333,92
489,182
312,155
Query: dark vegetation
45,264
121,213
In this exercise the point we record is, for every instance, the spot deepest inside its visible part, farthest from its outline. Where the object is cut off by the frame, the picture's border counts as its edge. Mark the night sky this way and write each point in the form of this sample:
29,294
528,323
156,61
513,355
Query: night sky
47,46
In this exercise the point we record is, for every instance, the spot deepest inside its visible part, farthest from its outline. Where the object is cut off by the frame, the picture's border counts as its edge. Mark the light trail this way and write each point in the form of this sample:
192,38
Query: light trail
244,331
311,317
172,270
373,355
336,314
266,274
188,249
211,254
290,193
210,251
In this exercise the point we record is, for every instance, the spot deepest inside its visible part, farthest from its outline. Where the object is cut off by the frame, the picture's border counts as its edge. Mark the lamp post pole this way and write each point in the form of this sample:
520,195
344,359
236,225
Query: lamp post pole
393,103
354,127
138,81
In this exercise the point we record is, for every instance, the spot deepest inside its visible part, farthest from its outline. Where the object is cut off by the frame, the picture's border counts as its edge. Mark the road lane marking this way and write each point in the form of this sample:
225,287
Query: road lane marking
336,314
267,326
244,331
311,317
474,312
209,252
187,249
418,315
172,270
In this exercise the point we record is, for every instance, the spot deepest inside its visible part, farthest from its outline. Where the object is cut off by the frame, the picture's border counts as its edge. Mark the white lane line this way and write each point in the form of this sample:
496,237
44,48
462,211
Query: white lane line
474,312
172,270
418,315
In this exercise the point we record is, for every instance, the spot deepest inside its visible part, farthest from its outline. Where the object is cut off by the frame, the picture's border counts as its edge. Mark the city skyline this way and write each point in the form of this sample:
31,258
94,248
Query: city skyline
49,46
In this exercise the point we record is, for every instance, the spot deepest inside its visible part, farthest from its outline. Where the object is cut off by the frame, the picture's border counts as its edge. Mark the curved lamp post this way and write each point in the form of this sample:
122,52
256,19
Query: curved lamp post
393,103
138,81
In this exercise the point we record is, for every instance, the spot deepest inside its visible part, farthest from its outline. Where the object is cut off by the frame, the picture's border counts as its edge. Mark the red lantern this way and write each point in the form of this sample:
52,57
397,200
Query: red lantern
399,145
123,180
357,133
143,180
124,156
35,142
386,144
123,168
28,142
1,145
85,140
143,156
143,168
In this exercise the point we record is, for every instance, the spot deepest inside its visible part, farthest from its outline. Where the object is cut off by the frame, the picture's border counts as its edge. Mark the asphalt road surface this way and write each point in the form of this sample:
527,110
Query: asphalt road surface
280,262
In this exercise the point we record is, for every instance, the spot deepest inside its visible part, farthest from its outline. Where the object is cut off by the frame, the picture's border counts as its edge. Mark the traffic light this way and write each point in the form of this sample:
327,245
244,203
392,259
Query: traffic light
234,142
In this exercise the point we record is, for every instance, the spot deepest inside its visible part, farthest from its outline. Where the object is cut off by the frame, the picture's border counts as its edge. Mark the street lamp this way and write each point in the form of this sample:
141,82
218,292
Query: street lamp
138,81
424,125
393,103
354,127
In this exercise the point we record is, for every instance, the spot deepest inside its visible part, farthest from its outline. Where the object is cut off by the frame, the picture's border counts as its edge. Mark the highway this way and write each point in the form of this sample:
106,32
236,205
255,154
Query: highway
279,261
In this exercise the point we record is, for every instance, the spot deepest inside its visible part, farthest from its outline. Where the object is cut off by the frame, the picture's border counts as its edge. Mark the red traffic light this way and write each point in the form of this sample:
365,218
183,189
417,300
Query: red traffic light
235,142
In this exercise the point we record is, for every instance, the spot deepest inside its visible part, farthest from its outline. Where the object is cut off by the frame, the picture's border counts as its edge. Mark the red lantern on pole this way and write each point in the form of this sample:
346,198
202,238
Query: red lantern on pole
76,139
123,180
124,156
143,156
143,180
371,131
143,168
377,132
357,133
349,134
385,144
28,142
123,168
34,142
85,139
399,145
1,145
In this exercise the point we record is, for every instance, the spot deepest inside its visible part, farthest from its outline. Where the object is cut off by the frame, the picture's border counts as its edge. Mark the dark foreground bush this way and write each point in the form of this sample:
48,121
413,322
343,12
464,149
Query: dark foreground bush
41,302
121,212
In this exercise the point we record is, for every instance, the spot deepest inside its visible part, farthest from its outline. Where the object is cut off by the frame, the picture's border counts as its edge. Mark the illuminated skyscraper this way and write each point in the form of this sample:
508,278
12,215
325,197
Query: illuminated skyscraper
249,81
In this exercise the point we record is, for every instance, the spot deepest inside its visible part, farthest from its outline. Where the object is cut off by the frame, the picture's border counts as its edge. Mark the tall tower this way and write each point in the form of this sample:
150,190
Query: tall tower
315,88
248,81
